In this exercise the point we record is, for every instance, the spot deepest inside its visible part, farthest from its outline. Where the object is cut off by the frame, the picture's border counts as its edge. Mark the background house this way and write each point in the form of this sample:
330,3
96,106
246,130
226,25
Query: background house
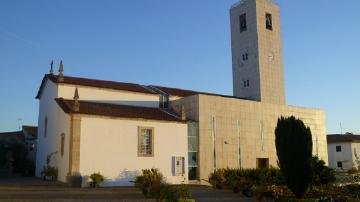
342,150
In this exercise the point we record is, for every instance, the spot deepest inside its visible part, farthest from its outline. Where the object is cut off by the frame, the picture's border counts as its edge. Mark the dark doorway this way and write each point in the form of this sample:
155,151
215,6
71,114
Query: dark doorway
262,163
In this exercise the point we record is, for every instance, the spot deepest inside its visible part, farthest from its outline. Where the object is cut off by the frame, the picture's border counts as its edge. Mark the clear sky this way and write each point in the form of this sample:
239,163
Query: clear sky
182,44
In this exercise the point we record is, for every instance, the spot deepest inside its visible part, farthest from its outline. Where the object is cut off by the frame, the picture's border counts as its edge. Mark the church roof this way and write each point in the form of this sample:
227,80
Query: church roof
121,111
150,89
95,83
343,138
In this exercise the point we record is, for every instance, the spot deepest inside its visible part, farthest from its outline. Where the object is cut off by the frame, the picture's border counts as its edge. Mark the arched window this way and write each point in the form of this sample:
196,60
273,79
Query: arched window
62,144
45,126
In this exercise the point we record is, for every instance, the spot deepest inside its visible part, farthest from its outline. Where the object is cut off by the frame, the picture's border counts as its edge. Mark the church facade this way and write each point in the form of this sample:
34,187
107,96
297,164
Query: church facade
118,129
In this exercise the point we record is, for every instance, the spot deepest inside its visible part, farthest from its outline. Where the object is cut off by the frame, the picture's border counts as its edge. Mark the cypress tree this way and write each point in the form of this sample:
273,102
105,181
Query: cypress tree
294,150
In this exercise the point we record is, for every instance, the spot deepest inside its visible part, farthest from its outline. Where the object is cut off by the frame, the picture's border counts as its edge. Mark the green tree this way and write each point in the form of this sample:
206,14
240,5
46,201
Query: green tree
321,173
294,150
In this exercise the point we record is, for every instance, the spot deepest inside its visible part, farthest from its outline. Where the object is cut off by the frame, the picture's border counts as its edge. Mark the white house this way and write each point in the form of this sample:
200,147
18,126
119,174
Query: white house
343,151
117,129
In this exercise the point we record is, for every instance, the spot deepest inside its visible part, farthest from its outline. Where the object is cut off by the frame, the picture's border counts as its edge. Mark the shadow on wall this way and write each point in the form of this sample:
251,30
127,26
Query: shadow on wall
128,102
125,178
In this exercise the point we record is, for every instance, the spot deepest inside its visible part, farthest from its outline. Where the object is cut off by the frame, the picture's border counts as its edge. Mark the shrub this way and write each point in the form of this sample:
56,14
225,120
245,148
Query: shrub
217,178
175,193
322,175
49,171
150,182
294,150
96,179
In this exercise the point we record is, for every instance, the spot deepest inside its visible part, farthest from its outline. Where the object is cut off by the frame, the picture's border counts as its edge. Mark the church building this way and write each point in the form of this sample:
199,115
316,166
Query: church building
118,129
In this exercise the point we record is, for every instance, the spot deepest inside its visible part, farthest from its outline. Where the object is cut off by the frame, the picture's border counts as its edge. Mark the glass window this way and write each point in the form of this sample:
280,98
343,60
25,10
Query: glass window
339,164
192,143
242,19
338,148
192,173
268,21
62,146
145,142
192,159
45,126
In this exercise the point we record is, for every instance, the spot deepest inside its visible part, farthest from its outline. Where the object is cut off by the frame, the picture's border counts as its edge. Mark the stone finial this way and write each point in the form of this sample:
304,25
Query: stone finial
61,70
183,113
51,67
76,106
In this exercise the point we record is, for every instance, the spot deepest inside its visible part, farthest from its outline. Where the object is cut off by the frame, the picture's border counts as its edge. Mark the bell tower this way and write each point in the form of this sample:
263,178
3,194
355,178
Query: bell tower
257,64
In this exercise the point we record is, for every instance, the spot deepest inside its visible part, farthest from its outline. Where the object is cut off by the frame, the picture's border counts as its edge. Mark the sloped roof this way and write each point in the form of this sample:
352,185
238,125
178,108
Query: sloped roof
126,87
12,136
95,83
333,138
32,130
121,111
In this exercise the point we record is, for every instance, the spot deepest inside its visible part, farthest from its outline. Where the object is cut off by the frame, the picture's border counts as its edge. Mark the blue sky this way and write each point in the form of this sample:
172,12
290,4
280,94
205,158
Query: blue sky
182,44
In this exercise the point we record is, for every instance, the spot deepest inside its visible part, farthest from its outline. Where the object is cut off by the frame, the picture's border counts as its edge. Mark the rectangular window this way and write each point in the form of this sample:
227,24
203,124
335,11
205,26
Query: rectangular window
242,19
164,101
62,146
262,163
179,165
245,56
268,21
339,164
146,142
246,83
45,127
193,139
338,148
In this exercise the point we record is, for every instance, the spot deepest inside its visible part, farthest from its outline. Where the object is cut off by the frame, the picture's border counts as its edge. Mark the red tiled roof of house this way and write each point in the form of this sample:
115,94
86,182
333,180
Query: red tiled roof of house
113,110
18,136
95,83
126,87
333,138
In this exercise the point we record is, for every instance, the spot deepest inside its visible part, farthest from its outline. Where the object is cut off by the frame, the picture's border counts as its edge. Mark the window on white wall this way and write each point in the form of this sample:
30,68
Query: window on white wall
179,165
338,148
62,144
45,126
146,141
339,164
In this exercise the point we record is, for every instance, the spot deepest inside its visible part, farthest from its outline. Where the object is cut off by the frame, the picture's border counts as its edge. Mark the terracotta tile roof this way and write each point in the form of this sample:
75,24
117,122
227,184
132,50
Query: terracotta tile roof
95,83
12,136
113,110
31,130
126,87
184,93
333,138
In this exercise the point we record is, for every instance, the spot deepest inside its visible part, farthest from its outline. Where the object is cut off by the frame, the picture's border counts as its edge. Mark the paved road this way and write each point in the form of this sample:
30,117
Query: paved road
34,190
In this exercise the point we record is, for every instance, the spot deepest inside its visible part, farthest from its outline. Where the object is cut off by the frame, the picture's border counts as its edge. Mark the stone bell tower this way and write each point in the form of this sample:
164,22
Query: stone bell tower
256,51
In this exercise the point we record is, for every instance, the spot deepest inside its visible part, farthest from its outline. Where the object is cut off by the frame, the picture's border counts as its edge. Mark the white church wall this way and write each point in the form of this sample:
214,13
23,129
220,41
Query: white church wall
57,123
110,146
109,96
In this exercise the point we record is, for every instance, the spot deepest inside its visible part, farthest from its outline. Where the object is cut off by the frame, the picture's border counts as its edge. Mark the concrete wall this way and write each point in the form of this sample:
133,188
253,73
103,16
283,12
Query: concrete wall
109,146
109,96
58,123
257,122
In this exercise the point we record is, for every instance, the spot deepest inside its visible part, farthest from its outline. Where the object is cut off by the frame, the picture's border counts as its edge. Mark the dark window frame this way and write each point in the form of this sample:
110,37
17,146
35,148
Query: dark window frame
339,164
338,148
242,22
268,21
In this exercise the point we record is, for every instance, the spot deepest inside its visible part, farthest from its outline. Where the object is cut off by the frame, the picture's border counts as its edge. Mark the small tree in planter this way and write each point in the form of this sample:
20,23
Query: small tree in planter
96,180
294,150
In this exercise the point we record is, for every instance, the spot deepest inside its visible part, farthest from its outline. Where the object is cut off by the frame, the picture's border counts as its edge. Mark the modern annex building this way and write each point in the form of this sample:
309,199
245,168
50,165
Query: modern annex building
117,129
